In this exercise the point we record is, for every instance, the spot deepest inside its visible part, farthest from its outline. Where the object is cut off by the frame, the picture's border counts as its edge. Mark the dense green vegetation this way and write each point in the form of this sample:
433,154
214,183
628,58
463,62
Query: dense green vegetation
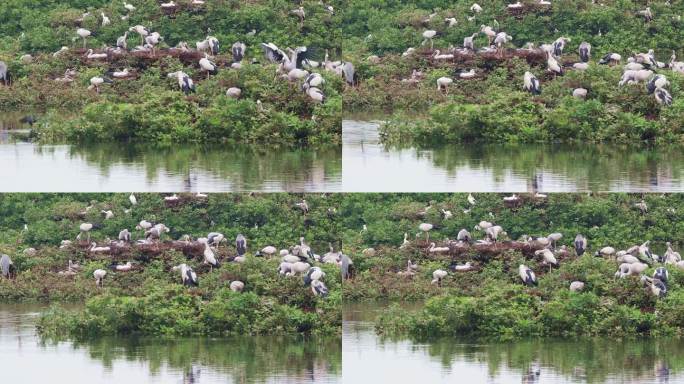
149,106
490,300
150,299
493,106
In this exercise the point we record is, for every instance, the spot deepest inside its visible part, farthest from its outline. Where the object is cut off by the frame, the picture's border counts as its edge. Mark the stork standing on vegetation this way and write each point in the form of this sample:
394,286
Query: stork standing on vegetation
489,32
559,45
580,244
552,64
207,66
140,30
209,44
468,42
425,228
319,288
85,229
428,36
527,275
443,84
585,51
83,33
96,81
125,236
7,267
122,42
152,40
500,41
188,276
438,276
184,81
531,83
99,275
300,13
241,244
238,50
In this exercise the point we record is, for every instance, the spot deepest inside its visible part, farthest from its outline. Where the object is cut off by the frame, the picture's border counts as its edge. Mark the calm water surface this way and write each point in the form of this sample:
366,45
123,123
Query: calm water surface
120,167
370,166
148,360
370,358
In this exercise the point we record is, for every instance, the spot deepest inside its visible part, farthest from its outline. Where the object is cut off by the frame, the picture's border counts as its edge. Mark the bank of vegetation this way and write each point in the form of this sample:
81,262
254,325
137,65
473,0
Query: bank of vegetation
151,299
492,105
489,299
148,106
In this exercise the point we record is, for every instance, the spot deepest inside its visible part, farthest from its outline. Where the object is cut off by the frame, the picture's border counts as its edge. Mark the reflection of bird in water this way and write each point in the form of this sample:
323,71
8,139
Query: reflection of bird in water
662,371
536,180
192,375
532,374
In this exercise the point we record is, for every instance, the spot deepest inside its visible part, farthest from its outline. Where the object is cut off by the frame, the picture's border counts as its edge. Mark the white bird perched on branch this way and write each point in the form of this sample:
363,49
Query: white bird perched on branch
105,20
435,249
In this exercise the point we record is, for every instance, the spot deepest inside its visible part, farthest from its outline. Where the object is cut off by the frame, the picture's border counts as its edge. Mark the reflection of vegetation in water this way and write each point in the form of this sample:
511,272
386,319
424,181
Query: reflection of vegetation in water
255,359
590,360
597,166
247,167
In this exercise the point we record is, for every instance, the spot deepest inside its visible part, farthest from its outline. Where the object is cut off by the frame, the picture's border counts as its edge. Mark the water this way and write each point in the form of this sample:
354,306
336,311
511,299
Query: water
121,167
370,358
369,166
25,358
